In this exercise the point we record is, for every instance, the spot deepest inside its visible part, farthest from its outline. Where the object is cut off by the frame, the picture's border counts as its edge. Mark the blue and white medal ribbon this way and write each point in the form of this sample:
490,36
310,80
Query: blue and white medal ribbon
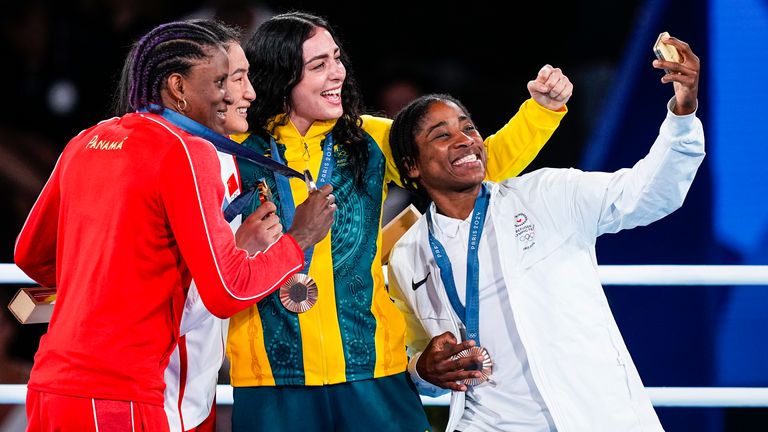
469,312
300,292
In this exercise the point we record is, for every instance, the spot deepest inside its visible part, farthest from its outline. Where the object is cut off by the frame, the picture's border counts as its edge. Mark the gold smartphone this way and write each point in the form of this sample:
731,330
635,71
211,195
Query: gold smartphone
665,51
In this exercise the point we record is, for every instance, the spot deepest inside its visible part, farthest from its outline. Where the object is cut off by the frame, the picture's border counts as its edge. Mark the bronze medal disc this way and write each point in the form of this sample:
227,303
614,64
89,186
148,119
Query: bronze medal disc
485,368
299,293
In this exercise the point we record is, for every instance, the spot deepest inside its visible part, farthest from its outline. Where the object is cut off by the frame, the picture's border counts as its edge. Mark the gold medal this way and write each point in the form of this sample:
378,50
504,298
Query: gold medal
485,367
299,293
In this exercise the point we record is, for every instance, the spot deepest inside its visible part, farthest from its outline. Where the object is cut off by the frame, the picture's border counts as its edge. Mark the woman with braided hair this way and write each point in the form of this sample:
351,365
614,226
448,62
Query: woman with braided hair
130,214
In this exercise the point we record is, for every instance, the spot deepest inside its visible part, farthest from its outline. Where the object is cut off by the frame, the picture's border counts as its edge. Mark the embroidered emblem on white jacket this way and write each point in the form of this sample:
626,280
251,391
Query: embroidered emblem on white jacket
525,231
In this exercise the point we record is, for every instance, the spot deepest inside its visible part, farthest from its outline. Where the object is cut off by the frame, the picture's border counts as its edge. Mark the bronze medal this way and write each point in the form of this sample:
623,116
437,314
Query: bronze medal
299,293
265,193
485,367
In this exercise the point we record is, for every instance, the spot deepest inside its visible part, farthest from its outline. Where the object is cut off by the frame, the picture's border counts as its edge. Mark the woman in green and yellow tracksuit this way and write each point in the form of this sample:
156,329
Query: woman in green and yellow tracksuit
343,361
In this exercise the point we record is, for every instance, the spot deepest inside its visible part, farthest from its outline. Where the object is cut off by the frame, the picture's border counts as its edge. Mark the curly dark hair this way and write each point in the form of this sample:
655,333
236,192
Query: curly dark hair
275,53
402,136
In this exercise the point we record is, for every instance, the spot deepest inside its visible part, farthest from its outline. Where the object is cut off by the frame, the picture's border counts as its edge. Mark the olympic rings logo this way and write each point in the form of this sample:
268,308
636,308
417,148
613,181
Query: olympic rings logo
529,236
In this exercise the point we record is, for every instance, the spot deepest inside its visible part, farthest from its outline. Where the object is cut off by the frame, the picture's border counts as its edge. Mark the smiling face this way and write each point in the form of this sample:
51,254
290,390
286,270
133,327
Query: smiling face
451,153
240,90
205,91
317,96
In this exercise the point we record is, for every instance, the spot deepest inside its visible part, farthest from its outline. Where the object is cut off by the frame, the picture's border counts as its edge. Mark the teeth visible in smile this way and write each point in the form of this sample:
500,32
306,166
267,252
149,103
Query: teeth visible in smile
466,159
242,111
221,115
332,93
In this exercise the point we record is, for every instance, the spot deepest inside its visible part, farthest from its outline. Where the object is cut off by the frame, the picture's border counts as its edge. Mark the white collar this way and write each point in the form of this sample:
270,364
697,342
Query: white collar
446,225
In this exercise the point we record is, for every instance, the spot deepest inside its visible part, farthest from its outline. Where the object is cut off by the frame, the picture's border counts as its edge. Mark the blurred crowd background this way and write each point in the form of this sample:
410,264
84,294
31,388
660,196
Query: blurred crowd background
61,60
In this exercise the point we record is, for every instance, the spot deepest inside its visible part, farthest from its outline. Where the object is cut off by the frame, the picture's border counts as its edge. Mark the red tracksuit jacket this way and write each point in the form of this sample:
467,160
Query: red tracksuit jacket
130,214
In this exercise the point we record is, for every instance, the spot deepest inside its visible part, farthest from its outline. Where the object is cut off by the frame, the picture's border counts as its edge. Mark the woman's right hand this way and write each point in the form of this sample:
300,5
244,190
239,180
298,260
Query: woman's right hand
260,229
313,217
437,364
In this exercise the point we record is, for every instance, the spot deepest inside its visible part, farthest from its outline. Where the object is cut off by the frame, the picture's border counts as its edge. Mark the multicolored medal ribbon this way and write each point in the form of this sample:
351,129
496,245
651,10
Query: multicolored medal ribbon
221,142
224,145
300,292
469,314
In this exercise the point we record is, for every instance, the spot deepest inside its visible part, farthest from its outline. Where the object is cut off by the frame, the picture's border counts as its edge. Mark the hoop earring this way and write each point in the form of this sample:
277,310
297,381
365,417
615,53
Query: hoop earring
179,103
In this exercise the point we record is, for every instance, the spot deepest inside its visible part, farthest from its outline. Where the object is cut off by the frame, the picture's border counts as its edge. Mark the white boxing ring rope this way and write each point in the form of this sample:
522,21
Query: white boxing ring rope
609,275
10,274
726,275
690,397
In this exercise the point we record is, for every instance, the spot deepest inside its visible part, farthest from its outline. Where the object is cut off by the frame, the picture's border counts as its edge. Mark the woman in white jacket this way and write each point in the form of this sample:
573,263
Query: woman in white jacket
511,268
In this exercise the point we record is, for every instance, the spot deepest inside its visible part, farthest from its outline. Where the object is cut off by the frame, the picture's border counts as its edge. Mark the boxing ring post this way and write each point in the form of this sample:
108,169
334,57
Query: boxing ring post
701,275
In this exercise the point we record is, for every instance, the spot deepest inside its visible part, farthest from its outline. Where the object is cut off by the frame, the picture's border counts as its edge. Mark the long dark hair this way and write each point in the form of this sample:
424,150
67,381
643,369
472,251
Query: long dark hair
275,53
168,48
402,135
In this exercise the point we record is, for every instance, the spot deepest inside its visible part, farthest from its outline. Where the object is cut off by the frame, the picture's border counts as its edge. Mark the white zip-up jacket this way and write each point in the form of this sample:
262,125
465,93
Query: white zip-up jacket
193,368
546,224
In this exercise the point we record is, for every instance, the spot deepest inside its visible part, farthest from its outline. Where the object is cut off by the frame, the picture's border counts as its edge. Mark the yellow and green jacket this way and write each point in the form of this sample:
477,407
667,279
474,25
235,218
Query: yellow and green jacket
354,332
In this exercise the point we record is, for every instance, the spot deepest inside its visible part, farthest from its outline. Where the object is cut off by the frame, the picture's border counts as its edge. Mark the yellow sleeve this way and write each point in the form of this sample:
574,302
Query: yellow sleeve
378,128
515,145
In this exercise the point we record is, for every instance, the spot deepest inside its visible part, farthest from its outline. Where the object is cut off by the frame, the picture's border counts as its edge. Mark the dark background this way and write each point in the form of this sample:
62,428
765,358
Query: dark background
61,59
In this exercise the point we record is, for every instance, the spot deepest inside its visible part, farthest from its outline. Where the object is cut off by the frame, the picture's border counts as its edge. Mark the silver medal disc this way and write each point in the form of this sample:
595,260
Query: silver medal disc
299,293
485,367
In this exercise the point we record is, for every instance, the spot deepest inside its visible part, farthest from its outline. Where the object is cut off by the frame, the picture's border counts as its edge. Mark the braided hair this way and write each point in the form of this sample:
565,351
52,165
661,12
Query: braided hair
402,135
224,33
168,48
275,53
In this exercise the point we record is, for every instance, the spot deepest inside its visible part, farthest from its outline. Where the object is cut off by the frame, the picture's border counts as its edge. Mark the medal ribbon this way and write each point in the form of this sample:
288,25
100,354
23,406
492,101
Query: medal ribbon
224,145
469,314
284,187
221,142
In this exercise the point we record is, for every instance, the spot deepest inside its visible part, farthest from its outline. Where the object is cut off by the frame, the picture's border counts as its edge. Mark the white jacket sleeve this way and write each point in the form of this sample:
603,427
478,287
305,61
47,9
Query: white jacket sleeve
653,188
416,338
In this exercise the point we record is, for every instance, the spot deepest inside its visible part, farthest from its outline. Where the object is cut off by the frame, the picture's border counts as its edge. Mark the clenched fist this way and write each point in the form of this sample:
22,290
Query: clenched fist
551,88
